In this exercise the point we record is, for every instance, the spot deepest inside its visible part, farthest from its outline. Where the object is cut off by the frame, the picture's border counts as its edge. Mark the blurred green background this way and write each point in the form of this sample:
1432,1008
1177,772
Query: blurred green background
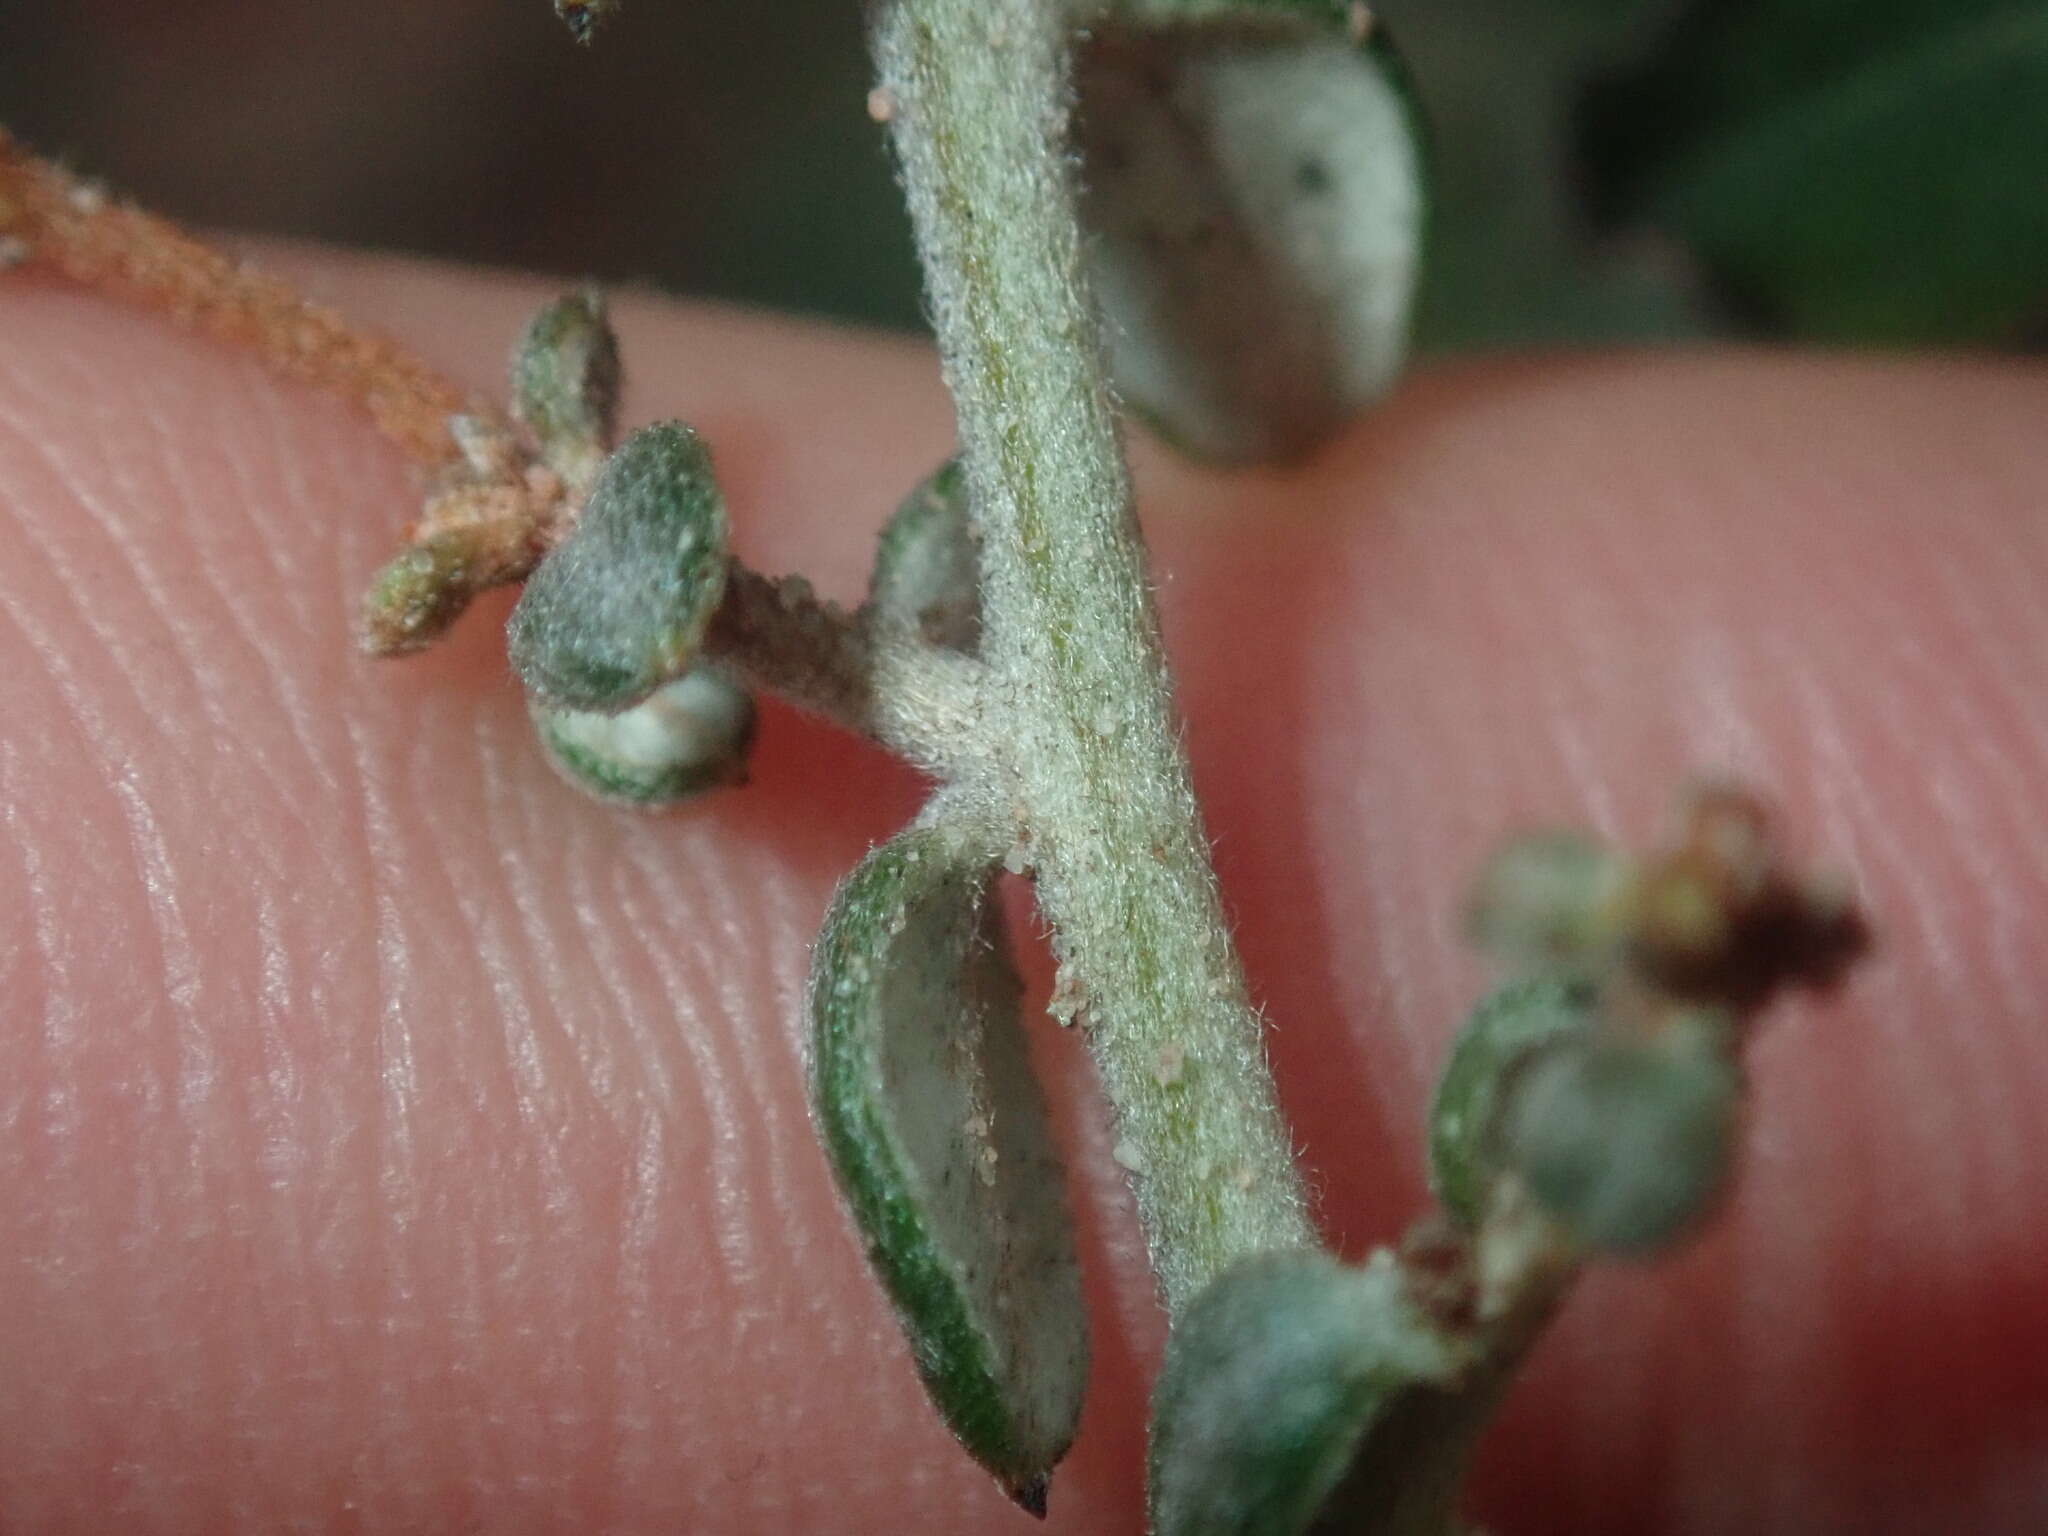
1606,170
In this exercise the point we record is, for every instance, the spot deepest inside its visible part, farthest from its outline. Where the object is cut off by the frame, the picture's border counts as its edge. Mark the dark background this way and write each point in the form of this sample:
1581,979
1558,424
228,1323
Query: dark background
721,147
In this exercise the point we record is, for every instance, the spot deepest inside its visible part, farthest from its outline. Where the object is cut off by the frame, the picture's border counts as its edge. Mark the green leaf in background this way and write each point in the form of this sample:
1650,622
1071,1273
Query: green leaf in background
1863,172
1253,199
936,1130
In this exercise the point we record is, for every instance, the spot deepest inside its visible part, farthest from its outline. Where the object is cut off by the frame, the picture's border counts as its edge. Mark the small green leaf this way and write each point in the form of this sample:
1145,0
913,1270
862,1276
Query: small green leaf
928,563
1497,1042
936,1129
1543,900
690,736
1252,191
565,383
1274,1378
1627,1142
420,591
622,605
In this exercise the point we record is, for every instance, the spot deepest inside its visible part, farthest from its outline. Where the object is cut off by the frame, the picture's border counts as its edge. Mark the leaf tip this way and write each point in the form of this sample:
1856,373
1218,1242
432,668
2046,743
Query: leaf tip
1030,1495
566,378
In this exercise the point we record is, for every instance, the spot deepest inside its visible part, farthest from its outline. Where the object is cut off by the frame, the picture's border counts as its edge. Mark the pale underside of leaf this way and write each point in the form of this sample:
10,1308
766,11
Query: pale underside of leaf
689,736
937,1131
1253,196
927,573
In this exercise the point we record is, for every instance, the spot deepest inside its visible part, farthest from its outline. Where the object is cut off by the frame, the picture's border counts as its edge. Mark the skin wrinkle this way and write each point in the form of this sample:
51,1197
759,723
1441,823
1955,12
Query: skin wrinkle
294,707
393,1462
523,882
632,1447
1999,734
620,1076
1914,1262
781,972
1910,1054
1784,1327
1990,660
1949,919
718,1108
93,481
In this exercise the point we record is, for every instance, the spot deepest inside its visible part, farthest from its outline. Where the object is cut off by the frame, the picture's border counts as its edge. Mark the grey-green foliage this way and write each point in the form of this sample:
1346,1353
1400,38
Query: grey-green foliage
1274,1377
621,606
1253,192
936,1130
927,572
688,737
1541,902
584,17
1508,1027
1627,1142
1850,170
565,382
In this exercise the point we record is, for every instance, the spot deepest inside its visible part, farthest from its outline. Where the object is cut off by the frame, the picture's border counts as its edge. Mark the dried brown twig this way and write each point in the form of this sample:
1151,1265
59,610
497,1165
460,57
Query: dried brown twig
491,508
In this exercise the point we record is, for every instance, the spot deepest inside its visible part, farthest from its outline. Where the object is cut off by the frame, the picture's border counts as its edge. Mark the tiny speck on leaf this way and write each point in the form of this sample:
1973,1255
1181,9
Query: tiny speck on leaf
1171,1063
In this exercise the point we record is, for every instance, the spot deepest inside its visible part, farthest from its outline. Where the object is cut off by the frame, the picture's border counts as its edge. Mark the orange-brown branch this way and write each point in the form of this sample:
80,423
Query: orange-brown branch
491,509
74,228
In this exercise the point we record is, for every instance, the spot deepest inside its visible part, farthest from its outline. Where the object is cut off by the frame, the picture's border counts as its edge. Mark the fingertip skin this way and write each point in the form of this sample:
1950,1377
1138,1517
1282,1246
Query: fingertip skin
390,1140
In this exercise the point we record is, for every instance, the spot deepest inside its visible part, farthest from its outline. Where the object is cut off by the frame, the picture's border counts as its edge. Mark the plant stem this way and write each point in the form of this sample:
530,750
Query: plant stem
918,700
980,91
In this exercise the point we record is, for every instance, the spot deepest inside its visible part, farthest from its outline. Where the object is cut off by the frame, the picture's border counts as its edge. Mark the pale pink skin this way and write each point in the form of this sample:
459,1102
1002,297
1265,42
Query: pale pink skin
391,1140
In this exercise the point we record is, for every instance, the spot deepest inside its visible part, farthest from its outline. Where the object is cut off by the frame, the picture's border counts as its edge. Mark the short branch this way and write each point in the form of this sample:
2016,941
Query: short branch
876,681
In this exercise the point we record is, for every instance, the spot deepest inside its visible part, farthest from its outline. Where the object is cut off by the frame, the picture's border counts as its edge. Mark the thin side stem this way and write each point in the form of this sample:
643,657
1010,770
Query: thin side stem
980,90
915,699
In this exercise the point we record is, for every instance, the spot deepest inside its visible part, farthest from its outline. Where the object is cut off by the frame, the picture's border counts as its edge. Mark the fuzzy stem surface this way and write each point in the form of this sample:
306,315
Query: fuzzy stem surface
980,95
873,679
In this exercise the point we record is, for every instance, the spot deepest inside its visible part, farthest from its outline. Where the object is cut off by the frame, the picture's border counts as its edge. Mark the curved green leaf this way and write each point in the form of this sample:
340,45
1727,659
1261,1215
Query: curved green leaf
1274,1377
1627,1143
928,563
1252,191
1507,1028
565,383
688,737
936,1129
621,606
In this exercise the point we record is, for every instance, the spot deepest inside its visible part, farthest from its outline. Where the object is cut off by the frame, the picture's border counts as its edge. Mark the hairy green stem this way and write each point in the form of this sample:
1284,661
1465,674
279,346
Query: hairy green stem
980,97
869,677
